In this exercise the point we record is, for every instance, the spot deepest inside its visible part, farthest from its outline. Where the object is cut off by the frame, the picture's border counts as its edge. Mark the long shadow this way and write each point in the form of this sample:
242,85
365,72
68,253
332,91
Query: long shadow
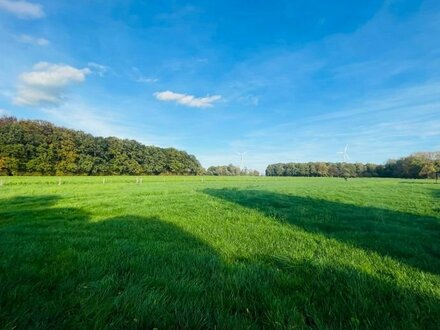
30,210
58,269
411,239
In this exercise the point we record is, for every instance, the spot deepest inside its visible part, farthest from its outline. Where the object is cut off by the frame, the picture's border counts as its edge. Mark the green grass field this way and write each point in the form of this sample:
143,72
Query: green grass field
191,252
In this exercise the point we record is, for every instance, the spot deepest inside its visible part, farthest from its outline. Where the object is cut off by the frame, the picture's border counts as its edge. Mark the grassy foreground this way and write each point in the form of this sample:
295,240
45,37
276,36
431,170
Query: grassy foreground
181,252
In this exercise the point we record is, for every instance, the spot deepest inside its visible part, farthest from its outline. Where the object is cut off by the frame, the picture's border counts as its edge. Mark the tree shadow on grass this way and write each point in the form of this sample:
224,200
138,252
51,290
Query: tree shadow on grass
411,239
58,269
31,210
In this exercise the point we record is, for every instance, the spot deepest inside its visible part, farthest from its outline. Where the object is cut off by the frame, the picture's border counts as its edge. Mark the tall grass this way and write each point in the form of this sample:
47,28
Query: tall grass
191,252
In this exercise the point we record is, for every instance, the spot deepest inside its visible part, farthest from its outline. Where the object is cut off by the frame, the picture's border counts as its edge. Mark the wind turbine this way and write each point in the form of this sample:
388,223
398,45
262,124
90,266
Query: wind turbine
344,154
241,154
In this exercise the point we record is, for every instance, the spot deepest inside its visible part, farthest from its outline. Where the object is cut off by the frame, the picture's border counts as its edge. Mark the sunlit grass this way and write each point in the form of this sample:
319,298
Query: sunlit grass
196,252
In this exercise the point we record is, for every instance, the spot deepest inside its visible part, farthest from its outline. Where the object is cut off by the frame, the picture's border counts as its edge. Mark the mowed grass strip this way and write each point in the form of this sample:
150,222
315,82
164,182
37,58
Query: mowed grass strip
192,252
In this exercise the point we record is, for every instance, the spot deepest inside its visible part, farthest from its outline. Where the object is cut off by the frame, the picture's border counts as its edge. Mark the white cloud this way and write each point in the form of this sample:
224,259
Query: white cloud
188,100
23,9
24,38
46,84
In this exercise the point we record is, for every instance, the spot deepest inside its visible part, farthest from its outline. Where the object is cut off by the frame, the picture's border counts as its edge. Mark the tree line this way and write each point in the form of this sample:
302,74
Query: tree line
419,165
34,147
230,170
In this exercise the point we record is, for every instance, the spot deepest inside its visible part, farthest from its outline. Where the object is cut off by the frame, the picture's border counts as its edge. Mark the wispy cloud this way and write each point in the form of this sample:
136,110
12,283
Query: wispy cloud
147,80
4,112
387,125
24,38
80,116
187,100
106,121
97,68
252,100
23,9
46,84
140,78
188,65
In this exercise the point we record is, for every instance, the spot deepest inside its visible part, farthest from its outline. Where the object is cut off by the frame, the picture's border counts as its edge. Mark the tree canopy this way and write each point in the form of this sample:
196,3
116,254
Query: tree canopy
34,147
230,170
415,166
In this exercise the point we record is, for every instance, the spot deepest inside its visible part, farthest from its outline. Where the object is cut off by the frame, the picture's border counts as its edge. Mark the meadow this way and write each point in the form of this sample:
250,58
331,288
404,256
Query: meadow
219,252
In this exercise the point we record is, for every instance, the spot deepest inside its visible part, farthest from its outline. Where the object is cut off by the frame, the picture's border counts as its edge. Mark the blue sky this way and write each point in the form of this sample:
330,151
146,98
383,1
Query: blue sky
279,80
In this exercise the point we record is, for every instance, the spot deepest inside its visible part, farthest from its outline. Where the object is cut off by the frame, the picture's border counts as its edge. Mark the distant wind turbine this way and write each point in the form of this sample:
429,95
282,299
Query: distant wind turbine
344,154
241,154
